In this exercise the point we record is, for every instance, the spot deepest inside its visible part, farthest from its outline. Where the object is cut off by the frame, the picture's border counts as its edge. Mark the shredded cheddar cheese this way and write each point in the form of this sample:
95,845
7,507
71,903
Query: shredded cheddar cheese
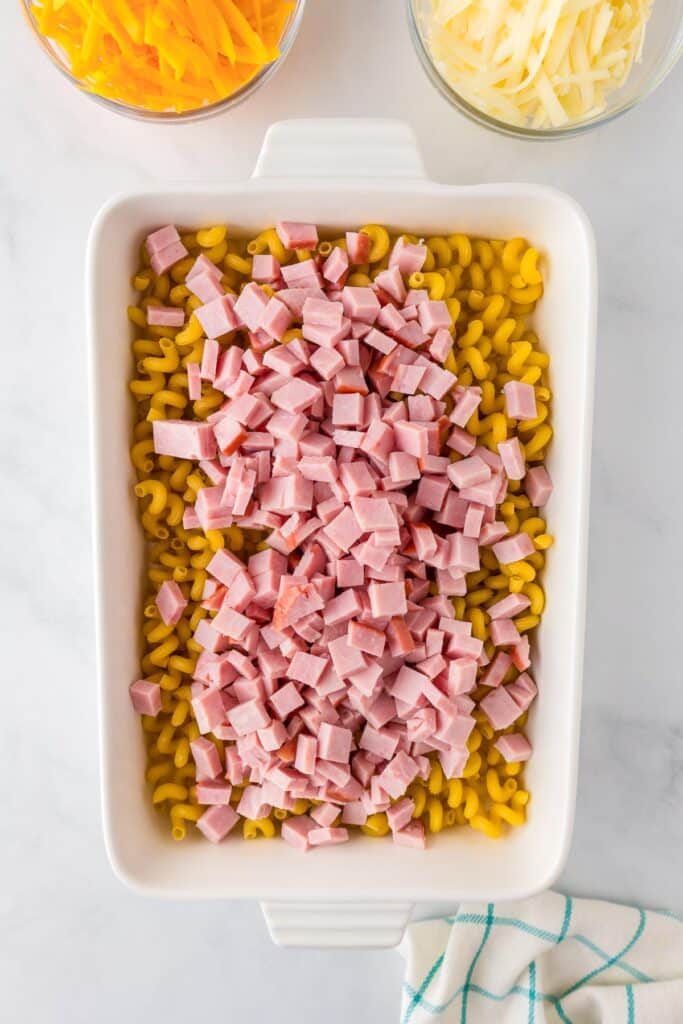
536,63
164,55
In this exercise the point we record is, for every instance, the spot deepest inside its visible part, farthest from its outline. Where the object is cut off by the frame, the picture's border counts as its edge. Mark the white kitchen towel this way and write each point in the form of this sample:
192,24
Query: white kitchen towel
546,960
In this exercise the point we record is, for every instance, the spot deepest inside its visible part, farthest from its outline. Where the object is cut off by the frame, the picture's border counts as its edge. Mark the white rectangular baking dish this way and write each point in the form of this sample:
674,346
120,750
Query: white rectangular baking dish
342,174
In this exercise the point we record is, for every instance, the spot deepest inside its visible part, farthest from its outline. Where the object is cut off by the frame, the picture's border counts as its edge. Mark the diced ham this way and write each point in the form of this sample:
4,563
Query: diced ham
171,602
434,316
512,458
295,831
165,316
209,710
520,400
184,439
295,396
514,747
295,235
334,743
504,633
509,606
248,717
336,266
209,363
206,758
358,246
332,665
275,319
538,485
465,406
216,822
469,472
408,257
218,317
499,707
160,239
327,836
360,304
145,697
307,668
265,268
412,835
512,549
286,699
497,670
214,792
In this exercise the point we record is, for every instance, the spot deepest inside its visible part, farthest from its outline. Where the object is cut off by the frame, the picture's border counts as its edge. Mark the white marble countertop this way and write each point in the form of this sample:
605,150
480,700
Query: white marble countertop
79,947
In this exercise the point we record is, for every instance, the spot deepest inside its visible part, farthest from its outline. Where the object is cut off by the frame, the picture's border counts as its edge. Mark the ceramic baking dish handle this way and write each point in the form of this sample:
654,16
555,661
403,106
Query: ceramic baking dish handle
350,925
340,148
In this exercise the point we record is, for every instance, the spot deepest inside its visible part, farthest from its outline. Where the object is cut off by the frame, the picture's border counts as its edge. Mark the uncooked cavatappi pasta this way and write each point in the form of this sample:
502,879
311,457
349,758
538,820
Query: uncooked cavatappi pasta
339,447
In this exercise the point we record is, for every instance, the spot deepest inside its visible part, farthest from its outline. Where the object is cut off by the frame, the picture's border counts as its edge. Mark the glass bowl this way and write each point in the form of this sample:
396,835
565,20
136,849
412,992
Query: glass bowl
662,48
58,59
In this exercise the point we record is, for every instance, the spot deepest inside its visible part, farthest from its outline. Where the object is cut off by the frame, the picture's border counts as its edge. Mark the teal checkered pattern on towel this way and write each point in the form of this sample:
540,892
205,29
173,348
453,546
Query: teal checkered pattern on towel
542,990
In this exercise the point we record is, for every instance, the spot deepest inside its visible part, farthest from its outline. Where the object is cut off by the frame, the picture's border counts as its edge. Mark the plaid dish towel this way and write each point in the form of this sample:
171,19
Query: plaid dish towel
545,960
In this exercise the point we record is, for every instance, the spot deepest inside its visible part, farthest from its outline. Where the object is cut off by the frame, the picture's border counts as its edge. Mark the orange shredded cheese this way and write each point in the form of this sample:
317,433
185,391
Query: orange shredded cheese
164,55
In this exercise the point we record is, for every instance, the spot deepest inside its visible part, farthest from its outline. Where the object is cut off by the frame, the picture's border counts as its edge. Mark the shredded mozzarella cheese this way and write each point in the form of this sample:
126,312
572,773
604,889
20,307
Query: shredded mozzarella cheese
535,63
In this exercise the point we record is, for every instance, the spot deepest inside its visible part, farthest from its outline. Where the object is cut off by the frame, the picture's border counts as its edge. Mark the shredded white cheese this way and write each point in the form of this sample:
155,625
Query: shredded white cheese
535,63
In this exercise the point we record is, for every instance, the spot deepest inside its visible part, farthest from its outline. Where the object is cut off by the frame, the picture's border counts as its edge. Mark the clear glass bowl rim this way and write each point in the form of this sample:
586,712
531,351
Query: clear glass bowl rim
657,76
164,117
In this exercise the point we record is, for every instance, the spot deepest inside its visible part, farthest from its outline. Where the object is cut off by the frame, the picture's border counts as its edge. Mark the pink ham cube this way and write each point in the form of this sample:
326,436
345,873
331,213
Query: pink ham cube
307,669
360,304
434,316
407,256
345,658
327,836
217,822
334,743
503,632
217,317
275,319
206,758
509,606
265,268
538,486
295,235
514,747
520,400
160,239
412,835
171,602
145,697
358,246
387,599
295,831
468,472
336,266
209,710
499,707
306,753
512,458
327,363
214,792
206,286
400,814
165,316
183,439
512,549
323,313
